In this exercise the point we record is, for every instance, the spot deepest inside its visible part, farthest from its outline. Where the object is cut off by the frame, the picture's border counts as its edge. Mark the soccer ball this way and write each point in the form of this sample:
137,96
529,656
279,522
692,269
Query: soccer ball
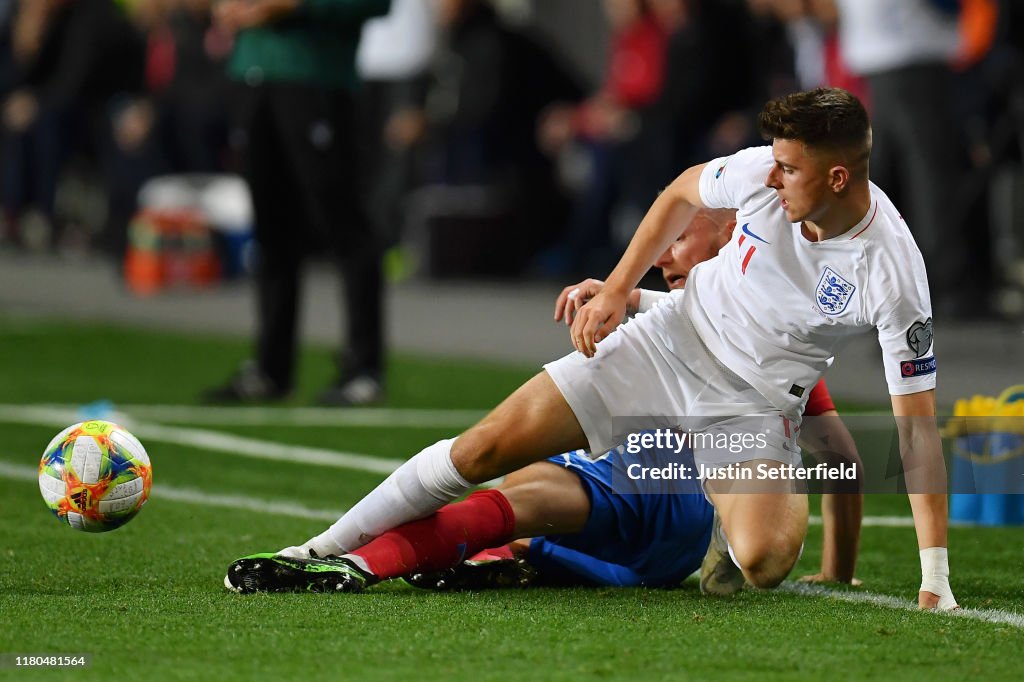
95,476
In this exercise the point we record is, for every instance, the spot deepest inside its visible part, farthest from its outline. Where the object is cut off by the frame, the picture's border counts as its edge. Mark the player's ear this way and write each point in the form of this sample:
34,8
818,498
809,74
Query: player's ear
838,178
730,227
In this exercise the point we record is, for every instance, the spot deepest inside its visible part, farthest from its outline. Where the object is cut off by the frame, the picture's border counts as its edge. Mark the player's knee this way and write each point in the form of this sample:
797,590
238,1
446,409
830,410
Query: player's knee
767,559
768,573
477,454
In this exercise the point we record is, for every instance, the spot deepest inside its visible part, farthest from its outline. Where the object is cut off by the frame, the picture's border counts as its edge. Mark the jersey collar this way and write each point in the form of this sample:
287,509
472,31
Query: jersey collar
857,230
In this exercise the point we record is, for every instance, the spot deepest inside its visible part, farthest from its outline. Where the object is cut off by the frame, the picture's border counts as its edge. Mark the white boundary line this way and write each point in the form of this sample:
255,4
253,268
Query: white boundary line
190,496
271,416
996,616
213,440
875,521
59,416
259,449
280,508
240,446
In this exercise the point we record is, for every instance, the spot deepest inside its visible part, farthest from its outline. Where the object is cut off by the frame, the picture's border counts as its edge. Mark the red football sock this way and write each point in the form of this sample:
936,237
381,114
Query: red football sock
485,519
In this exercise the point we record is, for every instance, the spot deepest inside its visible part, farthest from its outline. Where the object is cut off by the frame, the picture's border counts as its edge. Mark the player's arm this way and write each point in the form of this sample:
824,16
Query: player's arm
925,471
673,208
827,439
841,515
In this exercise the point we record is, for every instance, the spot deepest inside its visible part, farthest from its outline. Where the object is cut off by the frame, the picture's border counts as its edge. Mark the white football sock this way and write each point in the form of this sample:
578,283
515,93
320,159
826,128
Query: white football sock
732,555
728,546
416,489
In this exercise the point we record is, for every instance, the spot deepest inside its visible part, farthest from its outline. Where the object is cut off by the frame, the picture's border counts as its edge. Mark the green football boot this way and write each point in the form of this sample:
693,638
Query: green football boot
275,573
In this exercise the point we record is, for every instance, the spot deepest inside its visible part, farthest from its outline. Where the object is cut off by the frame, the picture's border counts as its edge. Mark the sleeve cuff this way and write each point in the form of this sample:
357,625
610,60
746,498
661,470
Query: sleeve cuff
648,298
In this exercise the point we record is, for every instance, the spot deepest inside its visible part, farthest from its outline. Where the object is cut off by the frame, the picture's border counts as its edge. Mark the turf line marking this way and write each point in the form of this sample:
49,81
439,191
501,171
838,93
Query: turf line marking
15,471
61,415
240,502
213,440
259,449
246,503
996,616
190,496
275,416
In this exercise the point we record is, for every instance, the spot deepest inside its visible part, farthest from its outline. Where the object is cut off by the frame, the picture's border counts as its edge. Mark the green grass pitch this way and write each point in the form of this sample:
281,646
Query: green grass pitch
147,600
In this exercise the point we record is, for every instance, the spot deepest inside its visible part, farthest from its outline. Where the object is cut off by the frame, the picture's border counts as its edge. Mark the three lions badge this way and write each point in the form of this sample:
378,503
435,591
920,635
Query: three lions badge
834,292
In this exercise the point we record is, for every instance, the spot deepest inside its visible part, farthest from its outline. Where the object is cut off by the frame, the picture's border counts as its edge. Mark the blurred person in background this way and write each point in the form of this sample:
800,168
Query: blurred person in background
811,28
489,84
805,34
8,67
757,65
8,77
606,134
481,163
688,99
994,50
73,59
905,51
707,103
179,123
393,61
190,100
299,138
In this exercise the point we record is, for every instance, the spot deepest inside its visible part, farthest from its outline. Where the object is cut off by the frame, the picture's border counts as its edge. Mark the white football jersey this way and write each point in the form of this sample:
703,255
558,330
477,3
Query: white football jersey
775,308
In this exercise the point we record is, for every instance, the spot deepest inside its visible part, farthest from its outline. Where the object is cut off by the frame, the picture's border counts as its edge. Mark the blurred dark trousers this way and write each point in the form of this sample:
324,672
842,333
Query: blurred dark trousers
918,157
300,155
32,161
391,172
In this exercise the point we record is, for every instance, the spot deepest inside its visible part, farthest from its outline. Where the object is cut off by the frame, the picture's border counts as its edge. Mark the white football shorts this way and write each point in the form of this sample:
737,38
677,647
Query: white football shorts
654,372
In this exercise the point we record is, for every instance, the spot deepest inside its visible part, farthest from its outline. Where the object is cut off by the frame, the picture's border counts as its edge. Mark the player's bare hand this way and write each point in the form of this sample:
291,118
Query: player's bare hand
822,578
596,320
573,297
930,600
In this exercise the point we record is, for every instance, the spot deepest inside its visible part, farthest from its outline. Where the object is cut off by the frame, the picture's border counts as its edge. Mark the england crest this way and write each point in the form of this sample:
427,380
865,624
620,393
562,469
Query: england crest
833,293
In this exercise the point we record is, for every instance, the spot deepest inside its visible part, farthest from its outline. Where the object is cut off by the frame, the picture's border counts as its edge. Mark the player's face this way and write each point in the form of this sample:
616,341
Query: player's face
799,180
700,241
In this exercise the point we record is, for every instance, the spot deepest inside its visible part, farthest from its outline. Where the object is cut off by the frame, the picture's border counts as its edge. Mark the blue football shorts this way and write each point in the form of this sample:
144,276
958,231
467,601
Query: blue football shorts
641,531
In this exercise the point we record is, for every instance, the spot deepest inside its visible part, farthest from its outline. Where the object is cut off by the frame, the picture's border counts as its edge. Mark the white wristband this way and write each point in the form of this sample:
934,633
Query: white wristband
935,576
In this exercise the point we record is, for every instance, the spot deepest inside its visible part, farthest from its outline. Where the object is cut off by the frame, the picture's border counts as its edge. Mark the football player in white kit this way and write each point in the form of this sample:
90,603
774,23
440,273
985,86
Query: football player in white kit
821,254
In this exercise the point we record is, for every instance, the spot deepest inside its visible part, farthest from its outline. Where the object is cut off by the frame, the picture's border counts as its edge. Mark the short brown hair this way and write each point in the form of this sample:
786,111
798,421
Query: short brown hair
824,118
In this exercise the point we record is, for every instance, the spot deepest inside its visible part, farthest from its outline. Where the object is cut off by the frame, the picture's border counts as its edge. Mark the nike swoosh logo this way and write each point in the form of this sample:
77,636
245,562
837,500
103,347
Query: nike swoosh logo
746,231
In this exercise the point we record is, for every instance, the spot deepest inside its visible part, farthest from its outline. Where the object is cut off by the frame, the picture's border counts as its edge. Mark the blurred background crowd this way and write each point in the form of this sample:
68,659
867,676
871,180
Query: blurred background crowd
516,138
